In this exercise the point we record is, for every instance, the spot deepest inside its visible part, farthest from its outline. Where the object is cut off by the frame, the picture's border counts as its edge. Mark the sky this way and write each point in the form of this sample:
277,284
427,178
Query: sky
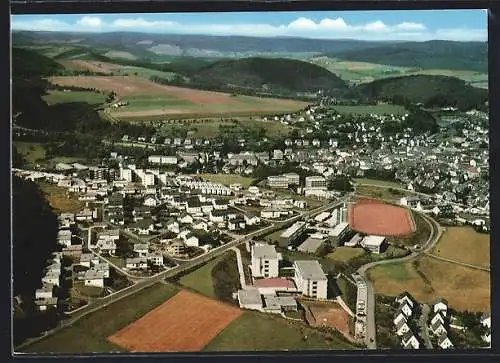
458,25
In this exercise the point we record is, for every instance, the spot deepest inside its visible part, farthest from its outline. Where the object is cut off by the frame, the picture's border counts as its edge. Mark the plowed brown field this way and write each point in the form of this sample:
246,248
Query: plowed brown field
185,323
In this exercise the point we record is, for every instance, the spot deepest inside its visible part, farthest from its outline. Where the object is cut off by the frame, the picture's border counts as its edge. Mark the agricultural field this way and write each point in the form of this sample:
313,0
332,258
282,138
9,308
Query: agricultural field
227,179
345,254
361,72
59,199
255,331
184,323
464,244
381,192
382,109
428,279
32,152
92,98
89,333
148,99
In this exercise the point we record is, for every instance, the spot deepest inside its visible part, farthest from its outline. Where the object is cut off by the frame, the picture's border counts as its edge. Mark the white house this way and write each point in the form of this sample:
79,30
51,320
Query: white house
440,305
186,219
200,225
64,237
402,327
405,298
265,261
172,225
151,201
136,263
102,267
155,258
94,278
406,309
438,328
251,220
44,303
191,240
45,292
410,341
310,279
444,342
438,317
51,278
141,249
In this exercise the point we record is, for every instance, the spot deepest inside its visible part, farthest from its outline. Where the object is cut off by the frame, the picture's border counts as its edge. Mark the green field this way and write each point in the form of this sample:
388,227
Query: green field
361,72
32,152
227,179
345,253
93,98
141,72
382,109
383,183
154,102
89,333
201,279
254,331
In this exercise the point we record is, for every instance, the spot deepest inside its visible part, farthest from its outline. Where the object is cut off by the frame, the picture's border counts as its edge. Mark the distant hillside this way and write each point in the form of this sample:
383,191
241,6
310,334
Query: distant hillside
268,74
433,91
26,63
425,55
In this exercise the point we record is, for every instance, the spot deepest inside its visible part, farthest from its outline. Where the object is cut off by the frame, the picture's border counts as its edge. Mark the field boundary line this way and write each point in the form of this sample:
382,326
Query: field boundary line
457,262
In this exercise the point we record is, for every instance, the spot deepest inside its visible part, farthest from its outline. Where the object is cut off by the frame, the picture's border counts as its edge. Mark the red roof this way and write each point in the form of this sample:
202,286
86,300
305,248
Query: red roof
283,283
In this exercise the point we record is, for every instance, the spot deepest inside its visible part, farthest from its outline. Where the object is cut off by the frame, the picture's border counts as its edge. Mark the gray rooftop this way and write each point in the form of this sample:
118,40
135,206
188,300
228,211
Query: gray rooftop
276,302
310,269
249,297
310,245
264,251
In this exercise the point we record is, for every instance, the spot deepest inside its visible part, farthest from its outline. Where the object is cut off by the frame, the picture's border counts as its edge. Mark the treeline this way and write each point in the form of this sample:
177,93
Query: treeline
31,248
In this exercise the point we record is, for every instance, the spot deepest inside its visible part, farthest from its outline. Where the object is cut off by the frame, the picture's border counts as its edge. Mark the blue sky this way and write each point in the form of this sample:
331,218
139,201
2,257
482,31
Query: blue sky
461,25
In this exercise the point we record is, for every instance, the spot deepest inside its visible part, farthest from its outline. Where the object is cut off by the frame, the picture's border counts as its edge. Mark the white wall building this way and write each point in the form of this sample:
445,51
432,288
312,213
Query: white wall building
310,279
265,261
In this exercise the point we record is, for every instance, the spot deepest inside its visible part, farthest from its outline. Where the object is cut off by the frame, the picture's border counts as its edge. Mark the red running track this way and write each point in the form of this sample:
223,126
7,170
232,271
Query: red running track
376,218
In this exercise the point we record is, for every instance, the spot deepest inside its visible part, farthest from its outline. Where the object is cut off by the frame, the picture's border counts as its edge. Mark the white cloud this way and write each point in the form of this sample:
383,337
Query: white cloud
90,21
301,27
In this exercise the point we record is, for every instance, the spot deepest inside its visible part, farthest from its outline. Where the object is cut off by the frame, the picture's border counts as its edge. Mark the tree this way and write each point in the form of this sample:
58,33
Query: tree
341,183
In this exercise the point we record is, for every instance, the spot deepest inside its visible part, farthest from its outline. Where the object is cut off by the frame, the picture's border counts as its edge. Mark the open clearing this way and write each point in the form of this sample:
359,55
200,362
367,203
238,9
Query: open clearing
59,199
330,315
32,152
227,179
186,322
255,331
201,279
89,333
428,279
464,244
345,254
92,98
148,99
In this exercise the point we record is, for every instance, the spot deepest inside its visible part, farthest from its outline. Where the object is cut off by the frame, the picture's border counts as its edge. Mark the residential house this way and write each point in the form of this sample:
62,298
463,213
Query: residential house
410,341
441,305
45,292
172,225
200,225
220,204
141,249
51,278
193,206
438,317
438,328
251,220
405,298
236,224
400,316
45,303
64,237
444,342
155,259
191,240
402,327
94,278
151,201
136,263
176,247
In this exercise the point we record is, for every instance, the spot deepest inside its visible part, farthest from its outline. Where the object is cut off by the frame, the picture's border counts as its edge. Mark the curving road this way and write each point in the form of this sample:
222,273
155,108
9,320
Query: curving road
370,336
98,304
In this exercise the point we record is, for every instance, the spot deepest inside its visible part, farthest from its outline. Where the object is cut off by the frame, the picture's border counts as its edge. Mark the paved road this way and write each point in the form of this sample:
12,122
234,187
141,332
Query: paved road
482,268
241,272
422,322
436,231
100,303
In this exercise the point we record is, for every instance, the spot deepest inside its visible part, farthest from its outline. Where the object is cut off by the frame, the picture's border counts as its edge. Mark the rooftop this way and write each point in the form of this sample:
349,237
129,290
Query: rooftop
278,283
249,297
264,251
310,269
373,240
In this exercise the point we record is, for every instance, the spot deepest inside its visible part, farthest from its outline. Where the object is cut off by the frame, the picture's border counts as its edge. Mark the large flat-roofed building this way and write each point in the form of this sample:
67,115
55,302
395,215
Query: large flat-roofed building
315,182
265,261
283,181
250,299
311,245
310,279
338,234
375,244
292,233
293,178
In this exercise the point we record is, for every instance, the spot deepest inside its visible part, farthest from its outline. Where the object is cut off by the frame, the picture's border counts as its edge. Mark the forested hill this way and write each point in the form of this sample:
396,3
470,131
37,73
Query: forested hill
436,54
27,64
432,91
272,74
